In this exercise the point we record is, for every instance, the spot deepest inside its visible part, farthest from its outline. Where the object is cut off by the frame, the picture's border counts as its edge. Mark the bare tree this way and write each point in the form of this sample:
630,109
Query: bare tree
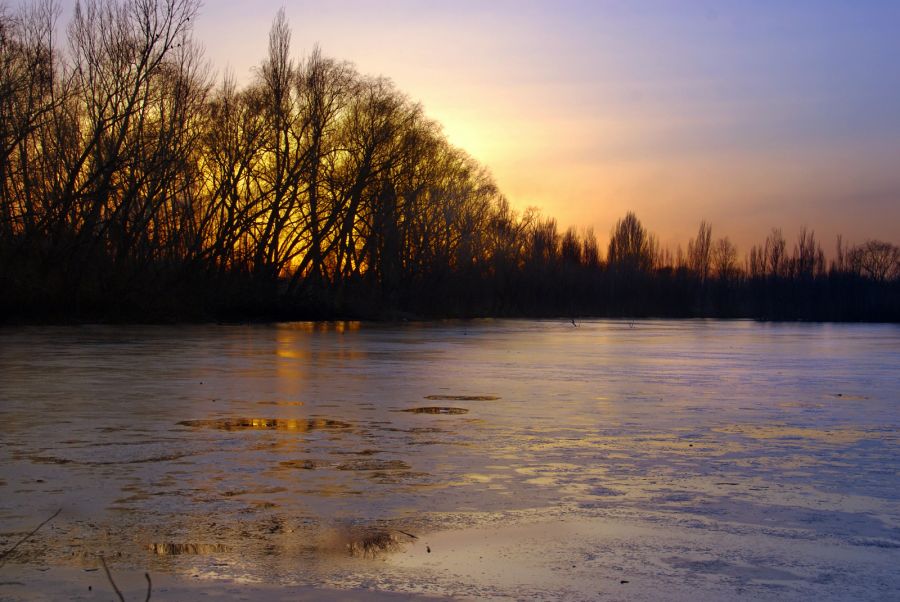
808,260
591,250
29,94
839,264
699,251
629,246
756,262
876,259
724,259
774,252
570,248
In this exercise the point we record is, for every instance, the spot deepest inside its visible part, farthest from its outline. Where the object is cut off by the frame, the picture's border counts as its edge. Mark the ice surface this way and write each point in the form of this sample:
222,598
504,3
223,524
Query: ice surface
725,459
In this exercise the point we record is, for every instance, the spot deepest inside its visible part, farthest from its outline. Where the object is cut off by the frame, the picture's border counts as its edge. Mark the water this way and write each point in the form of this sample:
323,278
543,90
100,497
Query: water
239,452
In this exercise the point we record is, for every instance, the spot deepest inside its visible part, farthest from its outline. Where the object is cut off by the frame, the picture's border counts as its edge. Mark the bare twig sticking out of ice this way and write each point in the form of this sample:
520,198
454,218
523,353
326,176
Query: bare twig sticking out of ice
111,581
4,555
115,587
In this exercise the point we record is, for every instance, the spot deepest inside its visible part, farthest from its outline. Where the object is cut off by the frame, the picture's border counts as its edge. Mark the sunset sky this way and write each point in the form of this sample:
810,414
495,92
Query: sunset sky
750,114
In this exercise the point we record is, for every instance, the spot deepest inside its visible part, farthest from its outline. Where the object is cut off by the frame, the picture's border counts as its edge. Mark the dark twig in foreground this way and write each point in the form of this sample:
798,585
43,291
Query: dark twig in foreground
4,555
410,535
116,588
109,576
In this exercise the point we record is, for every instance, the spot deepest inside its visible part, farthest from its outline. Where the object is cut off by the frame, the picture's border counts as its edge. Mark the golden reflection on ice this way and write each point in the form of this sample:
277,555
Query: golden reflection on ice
837,436
339,327
282,424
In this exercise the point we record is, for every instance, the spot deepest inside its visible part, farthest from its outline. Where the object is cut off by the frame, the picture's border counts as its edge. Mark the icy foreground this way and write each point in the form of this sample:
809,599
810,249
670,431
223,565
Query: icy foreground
496,459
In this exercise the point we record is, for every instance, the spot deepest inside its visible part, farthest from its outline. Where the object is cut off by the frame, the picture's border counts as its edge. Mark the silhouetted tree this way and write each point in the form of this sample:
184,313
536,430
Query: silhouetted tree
130,183
700,251
724,259
775,253
630,249
876,259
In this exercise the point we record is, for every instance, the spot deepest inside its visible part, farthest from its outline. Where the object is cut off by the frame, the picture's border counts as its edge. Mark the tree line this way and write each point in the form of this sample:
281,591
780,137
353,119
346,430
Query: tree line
134,186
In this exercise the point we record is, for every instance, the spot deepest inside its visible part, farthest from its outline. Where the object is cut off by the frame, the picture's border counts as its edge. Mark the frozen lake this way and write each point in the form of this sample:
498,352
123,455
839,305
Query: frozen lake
532,459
